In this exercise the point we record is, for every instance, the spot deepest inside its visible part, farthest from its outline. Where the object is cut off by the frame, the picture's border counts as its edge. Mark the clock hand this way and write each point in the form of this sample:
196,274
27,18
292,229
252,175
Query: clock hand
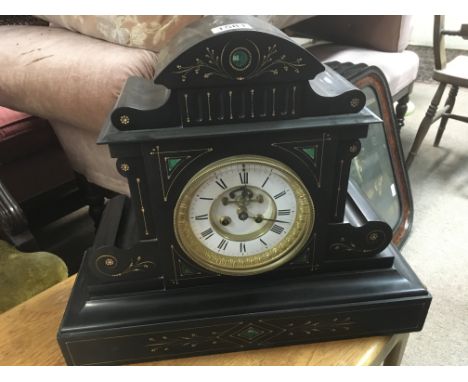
260,218
243,199
246,193
246,197
226,201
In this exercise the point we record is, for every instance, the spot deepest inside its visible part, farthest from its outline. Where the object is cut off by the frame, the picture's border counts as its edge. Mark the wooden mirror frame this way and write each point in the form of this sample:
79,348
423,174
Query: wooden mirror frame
363,76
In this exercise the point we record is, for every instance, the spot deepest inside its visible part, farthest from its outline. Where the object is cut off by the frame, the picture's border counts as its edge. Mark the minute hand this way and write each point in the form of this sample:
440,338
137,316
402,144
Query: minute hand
259,219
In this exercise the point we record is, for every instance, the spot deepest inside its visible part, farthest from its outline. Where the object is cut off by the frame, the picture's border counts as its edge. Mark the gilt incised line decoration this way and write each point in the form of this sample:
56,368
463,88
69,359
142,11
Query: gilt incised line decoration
243,334
142,208
211,64
111,262
168,181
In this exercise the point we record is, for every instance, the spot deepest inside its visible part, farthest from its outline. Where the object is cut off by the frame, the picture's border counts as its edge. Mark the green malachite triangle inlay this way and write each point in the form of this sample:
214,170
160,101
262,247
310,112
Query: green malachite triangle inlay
186,270
172,163
310,151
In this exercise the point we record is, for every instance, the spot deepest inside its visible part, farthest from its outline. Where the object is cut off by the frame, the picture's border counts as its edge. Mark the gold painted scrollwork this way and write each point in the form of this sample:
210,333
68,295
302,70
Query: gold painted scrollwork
211,64
107,264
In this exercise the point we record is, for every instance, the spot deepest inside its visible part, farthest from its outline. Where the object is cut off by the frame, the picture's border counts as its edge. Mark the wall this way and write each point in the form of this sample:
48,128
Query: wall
422,31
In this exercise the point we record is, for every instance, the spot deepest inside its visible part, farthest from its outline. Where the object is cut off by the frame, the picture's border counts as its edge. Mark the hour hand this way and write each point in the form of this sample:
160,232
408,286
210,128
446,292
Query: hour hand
247,196
225,200
246,193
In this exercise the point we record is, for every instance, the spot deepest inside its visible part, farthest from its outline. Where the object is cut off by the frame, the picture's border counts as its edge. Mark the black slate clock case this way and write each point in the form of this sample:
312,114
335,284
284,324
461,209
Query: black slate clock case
227,87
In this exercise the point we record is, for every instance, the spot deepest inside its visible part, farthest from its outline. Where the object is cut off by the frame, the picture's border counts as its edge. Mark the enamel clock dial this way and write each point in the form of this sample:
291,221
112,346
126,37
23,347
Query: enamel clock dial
243,215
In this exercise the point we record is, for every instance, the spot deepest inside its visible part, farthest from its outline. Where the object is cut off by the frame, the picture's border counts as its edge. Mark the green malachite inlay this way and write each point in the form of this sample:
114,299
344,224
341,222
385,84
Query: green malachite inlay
172,163
250,333
310,151
240,59
186,270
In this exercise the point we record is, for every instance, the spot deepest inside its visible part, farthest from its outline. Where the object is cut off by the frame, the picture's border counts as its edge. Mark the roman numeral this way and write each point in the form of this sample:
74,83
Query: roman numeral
201,217
223,244
207,233
242,248
265,244
277,196
221,183
284,212
277,229
244,177
206,198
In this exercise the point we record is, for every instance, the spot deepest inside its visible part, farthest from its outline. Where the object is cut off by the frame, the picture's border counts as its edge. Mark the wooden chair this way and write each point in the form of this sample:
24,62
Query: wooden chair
453,73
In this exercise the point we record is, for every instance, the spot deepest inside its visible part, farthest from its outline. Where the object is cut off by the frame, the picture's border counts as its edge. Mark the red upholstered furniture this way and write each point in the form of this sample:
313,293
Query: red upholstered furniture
32,161
32,166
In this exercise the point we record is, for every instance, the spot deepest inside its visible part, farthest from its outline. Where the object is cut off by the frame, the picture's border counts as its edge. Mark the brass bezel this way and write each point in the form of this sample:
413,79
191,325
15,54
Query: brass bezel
262,262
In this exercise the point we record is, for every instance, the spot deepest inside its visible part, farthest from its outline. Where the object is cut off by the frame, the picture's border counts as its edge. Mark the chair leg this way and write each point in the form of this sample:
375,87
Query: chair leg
400,110
13,223
443,122
425,124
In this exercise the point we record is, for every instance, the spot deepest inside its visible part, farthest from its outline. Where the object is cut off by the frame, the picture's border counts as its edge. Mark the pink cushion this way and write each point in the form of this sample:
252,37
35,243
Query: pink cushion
60,75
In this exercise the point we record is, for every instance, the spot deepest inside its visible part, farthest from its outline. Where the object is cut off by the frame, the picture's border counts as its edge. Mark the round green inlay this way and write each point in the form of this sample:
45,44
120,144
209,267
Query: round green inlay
240,58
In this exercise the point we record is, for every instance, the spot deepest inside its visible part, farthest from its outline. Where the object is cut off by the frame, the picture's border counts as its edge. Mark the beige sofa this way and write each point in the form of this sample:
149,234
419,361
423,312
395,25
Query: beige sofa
379,40
73,80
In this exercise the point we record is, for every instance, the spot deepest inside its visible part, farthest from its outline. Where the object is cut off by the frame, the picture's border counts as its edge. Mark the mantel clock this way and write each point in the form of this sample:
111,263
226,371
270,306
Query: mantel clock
239,232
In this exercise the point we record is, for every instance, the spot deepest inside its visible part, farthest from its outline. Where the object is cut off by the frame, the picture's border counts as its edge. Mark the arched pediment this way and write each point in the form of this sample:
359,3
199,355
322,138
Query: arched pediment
225,70
221,51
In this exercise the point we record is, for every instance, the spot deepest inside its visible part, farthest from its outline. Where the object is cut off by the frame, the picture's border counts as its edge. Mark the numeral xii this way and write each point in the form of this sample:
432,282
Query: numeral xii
244,177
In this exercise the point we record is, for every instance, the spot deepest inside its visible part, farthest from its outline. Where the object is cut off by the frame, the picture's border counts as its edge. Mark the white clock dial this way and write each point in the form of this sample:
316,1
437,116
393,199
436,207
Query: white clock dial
243,215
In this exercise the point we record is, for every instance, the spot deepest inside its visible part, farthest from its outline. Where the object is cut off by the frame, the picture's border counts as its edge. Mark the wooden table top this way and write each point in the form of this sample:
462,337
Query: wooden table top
28,337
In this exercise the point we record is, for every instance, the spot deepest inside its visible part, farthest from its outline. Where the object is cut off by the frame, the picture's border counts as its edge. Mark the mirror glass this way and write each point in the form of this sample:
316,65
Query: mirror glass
372,170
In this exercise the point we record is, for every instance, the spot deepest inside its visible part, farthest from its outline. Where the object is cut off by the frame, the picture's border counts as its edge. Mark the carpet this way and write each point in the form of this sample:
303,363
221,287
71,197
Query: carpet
437,246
